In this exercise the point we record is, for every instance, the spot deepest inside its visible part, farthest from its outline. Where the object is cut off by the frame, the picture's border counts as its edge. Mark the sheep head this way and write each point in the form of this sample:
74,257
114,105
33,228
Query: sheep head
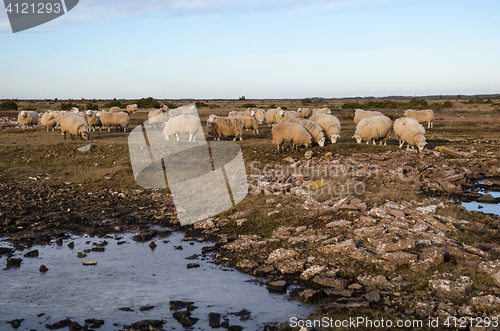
334,137
358,138
321,141
24,113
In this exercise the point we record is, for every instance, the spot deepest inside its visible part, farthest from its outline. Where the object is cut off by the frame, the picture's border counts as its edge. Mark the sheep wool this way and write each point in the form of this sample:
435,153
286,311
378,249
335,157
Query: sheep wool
74,125
372,128
186,110
120,120
304,112
313,128
224,127
408,130
249,123
290,132
360,114
326,111
422,116
271,116
156,117
48,120
27,117
182,124
132,108
330,125
284,115
243,113
94,120
114,110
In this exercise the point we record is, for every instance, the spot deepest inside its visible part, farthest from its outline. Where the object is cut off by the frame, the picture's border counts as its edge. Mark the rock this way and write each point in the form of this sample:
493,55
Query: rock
373,296
338,283
43,268
373,282
94,323
430,257
184,317
339,224
281,254
152,245
487,198
445,288
308,155
402,245
240,222
310,295
86,149
277,286
246,264
81,255
125,309
93,262
486,302
146,308
75,326
59,325
373,231
16,323
290,267
214,320
71,245
192,265
263,270
205,224
177,305
399,258
425,309
312,271
338,248
14,262
234,328
33,253
338,292
147,325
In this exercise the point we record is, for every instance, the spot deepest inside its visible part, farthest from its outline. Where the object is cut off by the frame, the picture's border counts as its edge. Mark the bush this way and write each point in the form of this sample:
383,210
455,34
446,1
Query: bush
200,104
414,102
272,106
68,105
8,105
242,98
249,105
92,106
214,106
170,105
351,105
305,102
114,103
447,104
150,103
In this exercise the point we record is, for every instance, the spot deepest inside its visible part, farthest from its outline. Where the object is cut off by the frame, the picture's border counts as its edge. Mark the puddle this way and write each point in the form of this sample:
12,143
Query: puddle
487,208
132,275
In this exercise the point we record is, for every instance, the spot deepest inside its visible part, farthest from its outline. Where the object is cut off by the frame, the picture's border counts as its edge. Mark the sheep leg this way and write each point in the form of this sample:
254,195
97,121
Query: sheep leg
374,142
177,136
190,137
367,142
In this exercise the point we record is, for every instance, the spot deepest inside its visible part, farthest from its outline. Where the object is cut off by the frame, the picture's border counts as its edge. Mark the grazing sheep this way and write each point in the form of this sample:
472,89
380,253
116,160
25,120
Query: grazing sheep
259,114
284,115
185,110
75,110
27,117
408,130
360,114
422,116
94,120
58,116
313,128
114,110
290,132
242,113
156,117
48,120
304,112
249,123
271,116
330,125
182,124
164,107
120,120
82,115
372,128
224,127
75,125
321,111
132,108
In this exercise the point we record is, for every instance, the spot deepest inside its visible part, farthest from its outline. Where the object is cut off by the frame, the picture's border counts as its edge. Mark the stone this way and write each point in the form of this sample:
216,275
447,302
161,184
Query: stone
277,286
425,309
214,320
290,267
152,245
16,323
205,224
86,149
373,282
373,296
246,264
263,270
43,268
192,265
429,258
281,254
400,258
177,305
332,282
402,245
310,295
370,232
184,317
339,224
93,262
59,325
444,288
146,308
486,302
338,248
338,292
312,271
33,253
487,198
14,262
308,155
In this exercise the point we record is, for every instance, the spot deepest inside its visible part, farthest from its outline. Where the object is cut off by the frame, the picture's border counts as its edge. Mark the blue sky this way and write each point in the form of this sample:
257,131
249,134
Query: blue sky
260,49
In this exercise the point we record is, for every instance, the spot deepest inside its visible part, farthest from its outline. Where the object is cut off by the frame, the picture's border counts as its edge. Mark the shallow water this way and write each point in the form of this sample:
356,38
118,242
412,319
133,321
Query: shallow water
487,208
132,275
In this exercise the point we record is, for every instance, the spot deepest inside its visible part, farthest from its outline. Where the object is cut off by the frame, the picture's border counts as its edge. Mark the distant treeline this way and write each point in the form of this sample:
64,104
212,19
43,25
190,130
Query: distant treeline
414,103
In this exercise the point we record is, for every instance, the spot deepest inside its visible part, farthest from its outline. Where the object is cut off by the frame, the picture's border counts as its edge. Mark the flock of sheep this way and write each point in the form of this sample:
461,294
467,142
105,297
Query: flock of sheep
78,123
303,127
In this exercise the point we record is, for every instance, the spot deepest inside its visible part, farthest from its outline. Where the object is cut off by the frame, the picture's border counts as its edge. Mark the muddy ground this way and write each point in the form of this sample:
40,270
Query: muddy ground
372,231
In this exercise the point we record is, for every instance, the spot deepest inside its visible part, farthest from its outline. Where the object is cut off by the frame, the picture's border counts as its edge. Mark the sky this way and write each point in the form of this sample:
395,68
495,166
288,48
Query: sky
224,49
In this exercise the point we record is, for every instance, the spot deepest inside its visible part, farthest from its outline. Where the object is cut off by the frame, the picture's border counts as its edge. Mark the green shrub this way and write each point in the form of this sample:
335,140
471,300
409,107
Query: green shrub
351,105
8,105
447,104
214,106
150,103
170,105
68,105
114,103
284,108
200,104
272,106
249,105
305,102
414,102
435,105
92,106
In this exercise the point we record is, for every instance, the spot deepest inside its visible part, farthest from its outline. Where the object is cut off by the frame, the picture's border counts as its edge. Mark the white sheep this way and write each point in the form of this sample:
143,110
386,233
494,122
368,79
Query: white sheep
242,113
304,112
132,108
330,125
290,132
259,114
48,120
284,115
185,110
422,116
249,123
408,130
75,110
74,125
156,117
224,127
271,116
313,128
120,120
27,117
182,124
360,114
114,110
94,120
372,128
321,111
